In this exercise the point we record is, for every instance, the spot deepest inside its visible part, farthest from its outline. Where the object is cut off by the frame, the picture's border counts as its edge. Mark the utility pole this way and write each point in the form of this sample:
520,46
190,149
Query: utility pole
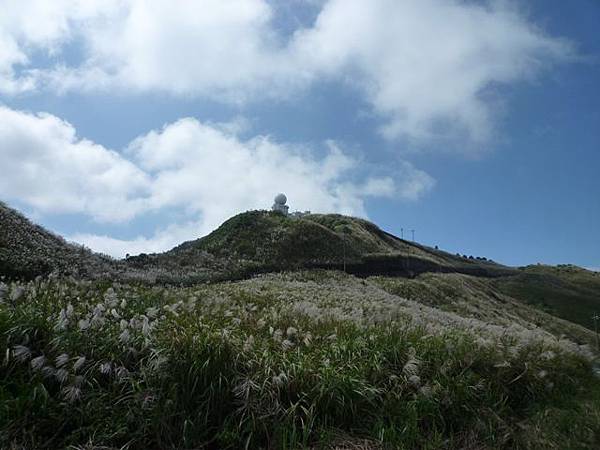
413,235
344,252
408,260
344,230
596,318
401,233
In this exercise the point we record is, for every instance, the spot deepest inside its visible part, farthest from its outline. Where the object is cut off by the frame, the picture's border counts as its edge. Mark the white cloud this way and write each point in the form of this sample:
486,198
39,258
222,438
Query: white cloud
423,65
31,26
414,183
45,165
222,48
205,171
163,239
225,50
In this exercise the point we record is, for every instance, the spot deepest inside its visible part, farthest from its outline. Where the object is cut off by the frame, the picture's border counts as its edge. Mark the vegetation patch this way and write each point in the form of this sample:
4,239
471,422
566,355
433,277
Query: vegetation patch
566,291
296,360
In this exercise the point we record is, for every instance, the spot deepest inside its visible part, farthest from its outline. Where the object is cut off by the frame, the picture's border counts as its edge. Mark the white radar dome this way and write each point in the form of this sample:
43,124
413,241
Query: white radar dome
280,199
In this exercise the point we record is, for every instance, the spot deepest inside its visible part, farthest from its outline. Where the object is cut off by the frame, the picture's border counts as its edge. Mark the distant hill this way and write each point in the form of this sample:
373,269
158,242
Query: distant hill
480,298
28,250
566,291
263,241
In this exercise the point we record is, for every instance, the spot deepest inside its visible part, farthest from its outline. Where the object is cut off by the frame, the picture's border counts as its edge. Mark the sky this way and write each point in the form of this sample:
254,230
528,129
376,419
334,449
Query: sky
132,125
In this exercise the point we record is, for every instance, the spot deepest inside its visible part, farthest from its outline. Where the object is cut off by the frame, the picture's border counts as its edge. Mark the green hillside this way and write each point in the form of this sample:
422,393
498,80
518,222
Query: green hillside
479,298
28,250
566,291
262,241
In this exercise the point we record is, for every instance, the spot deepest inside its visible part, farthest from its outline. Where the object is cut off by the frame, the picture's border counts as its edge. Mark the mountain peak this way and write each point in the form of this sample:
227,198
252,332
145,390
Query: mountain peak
262,241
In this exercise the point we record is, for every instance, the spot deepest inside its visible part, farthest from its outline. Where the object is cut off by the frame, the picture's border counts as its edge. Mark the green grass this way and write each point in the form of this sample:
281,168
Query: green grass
291,361
480,298
566,291
246,244
28,250
263,241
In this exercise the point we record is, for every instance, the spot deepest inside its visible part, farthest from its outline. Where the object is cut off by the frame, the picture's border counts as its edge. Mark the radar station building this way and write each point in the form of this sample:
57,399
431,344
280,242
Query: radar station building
279,204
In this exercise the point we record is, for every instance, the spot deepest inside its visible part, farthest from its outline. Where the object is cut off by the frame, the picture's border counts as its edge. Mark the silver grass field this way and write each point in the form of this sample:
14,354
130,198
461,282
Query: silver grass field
292,360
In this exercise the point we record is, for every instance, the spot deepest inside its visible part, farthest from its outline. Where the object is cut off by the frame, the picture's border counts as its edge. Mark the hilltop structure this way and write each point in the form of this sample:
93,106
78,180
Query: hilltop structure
279,204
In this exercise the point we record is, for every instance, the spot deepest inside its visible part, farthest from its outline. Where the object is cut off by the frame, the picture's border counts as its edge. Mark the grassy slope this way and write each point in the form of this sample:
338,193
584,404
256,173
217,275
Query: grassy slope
479,298
260,241
28,250
281,361
344,374
566,291
256,241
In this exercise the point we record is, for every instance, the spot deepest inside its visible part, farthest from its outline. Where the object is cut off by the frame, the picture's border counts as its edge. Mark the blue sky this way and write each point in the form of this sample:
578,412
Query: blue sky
131,126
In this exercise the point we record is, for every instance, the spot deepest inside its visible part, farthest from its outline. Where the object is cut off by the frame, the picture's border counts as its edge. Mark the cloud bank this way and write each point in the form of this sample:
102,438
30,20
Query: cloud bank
204,170
423,66
45,165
